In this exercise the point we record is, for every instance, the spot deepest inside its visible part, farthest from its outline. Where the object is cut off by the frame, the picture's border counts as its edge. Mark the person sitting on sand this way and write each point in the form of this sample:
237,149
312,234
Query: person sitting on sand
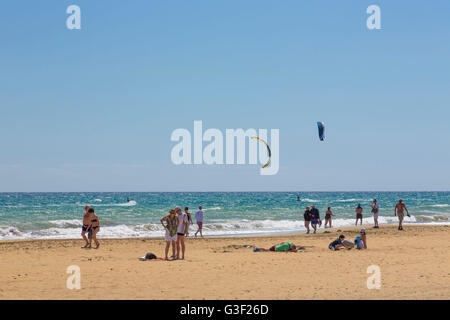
86,223
398,211
307,217
359,211
359,243
338,243
362,233
281,247
171,232
94,228
328,216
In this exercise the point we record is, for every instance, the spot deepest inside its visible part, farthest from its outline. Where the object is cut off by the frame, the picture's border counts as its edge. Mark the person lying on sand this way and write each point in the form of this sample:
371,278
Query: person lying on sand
150,256
338,243
282,247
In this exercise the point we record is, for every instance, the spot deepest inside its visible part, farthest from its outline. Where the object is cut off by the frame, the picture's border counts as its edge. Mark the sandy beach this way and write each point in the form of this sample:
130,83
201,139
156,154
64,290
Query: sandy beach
414,264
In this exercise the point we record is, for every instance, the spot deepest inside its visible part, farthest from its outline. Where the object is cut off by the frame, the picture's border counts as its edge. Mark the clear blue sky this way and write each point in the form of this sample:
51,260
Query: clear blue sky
93,109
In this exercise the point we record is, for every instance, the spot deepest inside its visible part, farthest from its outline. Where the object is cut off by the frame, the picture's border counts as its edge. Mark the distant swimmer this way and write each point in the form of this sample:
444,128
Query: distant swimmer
298,198
128,200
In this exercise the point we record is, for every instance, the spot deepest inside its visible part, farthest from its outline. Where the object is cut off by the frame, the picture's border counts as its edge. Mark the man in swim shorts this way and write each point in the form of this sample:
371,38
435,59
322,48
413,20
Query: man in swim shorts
315,218
398,211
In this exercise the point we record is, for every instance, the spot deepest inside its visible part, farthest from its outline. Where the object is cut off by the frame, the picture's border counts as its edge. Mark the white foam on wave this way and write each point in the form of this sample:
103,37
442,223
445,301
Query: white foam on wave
212,209
70,229
310,200
440,205
132,203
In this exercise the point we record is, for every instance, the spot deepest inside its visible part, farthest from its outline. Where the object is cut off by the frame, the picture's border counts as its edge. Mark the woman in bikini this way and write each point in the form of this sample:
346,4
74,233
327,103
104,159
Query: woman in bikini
94,227
328,216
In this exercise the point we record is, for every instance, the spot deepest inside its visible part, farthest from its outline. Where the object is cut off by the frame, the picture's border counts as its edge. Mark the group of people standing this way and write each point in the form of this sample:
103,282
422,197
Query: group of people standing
312,216
177,228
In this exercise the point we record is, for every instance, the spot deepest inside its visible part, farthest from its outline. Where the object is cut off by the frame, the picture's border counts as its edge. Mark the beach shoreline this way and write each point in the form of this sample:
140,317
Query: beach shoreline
413,264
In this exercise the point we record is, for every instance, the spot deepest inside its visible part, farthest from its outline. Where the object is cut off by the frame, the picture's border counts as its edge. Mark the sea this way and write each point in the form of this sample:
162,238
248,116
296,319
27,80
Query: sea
59,215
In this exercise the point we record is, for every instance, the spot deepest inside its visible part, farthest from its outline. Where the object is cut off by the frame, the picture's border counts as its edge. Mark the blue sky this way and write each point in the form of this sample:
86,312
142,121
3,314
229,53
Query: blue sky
93,109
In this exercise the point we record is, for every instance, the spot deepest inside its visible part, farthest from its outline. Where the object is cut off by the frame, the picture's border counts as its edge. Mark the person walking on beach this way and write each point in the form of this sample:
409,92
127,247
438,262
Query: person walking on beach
328,216
307,216
86,223
94,228
315,218
398,211
375,209
171,232
181,232
359,211
199,219
189,220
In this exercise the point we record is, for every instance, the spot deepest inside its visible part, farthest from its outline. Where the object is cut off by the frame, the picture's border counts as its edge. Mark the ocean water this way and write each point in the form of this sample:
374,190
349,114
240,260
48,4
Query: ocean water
59,215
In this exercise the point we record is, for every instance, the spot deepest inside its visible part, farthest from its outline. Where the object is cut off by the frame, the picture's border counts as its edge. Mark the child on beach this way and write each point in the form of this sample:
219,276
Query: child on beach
338,243
315,218
328,216
171,232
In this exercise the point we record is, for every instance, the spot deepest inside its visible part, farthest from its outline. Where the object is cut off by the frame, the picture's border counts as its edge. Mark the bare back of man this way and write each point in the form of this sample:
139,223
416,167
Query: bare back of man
399,212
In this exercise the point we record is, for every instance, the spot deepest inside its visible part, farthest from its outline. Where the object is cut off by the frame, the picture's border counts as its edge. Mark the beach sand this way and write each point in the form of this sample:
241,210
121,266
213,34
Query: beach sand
414,264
